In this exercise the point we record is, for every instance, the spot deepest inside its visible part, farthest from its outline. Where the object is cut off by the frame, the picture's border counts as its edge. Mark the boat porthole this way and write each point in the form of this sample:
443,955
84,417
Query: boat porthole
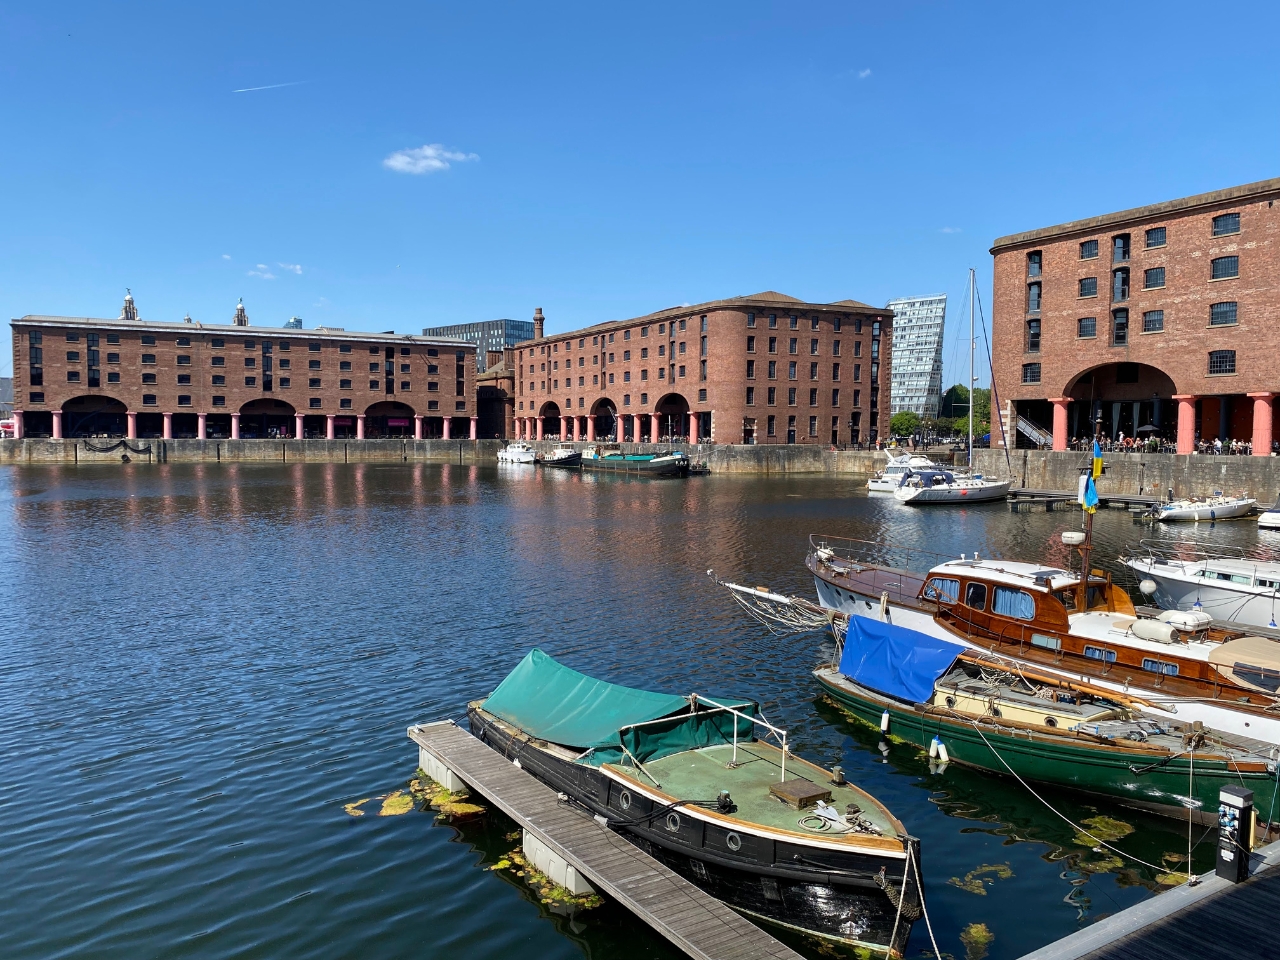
951,701
995,712
624,799
673,822
733,842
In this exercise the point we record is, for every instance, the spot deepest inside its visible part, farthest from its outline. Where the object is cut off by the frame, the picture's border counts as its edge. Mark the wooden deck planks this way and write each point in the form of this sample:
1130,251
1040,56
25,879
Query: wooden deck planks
695,922
1214,920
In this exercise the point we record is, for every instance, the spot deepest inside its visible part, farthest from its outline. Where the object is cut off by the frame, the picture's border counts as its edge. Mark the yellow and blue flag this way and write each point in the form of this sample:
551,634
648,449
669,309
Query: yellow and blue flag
1097,460
1090,499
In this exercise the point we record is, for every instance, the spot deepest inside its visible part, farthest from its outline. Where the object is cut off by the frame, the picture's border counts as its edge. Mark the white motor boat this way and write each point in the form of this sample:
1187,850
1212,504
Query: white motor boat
887,480
517,452
1226,586
1195,509
943,486
1269,519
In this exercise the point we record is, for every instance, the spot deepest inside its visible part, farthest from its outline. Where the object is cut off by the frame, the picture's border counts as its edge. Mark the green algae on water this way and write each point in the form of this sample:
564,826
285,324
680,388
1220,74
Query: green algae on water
976,879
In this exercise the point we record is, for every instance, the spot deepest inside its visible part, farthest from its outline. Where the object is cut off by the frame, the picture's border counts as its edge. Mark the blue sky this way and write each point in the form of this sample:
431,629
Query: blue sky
435,164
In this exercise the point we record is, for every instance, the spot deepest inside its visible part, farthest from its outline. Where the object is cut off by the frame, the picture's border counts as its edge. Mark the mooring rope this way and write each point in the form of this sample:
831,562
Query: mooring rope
116,446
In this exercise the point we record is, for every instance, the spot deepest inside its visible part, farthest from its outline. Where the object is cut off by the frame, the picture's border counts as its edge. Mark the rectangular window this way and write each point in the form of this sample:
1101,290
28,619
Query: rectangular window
1222,314
791,397
219,401
813,348
184,399
644,398
148,399
344,348
702,370
217,343
751,369
184,360
219,380
1119,328
1033,298
751,320
1031,373
1152,665
1153,279
311,365
345,365
813,371
404,384
219,361
1087,327
314,403
773,344
1089,250
312,346
250,381
793,322
1035,260
751,344
1100,653
1153,321
1226,224
1120,285
36,396
1224,268
250,361
857,373
1222,361
791,370
149,358
813,323
773,396
773,321
813,426
857,348
1033,337
1120,248
644,374
282,382
148,340
794,346
644,353
1155,237
835,371
344,403
703,347
73,376
751,396
75,338
113,376
184,379
314,383
813,397
773,426
773,369
73,356
835,397
113,338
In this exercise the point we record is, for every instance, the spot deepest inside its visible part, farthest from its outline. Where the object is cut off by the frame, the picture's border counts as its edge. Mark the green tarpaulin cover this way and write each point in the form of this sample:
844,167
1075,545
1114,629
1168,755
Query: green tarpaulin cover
552,702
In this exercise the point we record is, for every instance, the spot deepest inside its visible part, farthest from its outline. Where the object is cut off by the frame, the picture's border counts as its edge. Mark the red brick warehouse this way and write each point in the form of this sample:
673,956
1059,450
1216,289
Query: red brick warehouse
1160,319
766,368
81,377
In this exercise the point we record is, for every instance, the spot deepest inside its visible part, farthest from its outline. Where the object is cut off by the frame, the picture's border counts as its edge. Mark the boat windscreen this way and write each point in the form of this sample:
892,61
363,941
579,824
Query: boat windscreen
550,701
894,660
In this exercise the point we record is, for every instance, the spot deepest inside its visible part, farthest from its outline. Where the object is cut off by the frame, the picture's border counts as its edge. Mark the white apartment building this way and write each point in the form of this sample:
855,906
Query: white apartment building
917,354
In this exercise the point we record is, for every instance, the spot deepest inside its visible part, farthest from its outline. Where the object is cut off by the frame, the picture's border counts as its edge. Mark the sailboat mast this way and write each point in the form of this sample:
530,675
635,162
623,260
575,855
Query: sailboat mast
972,288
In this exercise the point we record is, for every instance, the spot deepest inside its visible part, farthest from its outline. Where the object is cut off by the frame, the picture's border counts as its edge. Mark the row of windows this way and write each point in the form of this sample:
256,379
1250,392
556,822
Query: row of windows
1220,268
791,397
36,337
1224,225
793,369
1221,363
1223,314
793,346
600,338
772,427
793,322
626,400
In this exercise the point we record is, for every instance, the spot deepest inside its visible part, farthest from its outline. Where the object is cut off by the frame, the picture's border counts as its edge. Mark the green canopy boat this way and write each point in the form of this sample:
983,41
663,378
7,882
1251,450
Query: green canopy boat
694,782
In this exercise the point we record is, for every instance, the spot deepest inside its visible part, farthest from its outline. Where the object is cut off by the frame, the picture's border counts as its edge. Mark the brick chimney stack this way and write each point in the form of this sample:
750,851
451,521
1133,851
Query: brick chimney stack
538,323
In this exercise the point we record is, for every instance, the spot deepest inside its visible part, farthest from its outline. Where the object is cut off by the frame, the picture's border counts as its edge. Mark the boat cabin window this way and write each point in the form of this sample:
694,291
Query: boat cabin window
1268,584
1009,602
975,595
1067,598
942,590
1228,577
1266,678
1100,653
1159,666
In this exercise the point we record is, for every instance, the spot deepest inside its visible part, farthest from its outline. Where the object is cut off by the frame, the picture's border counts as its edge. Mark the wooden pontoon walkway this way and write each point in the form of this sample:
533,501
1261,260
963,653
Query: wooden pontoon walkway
695,922
1214,920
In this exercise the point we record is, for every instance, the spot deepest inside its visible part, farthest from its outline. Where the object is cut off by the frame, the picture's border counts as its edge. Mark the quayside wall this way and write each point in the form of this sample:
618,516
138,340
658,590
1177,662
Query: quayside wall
1141,474
719,458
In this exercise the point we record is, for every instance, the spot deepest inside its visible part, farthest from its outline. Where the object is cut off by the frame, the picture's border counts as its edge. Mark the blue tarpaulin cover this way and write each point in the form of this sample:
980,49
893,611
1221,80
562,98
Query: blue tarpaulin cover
894,660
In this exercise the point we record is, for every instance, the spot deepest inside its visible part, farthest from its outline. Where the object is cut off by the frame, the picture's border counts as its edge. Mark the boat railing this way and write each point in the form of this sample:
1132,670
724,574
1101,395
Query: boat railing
1184,551
883,553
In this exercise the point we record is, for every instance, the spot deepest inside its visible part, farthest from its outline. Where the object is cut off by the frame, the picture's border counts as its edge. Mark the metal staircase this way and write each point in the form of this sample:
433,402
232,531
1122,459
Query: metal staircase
1034,432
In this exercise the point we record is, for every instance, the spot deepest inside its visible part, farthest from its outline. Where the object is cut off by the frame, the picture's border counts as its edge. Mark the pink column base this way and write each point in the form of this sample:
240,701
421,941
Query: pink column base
693,428
417,428
132,430
448,424
57,424
541,426
1262,424
360,427
475,427
168,426
591,428
1186,423
17,424
1060,422
202,426
235,426
653,428
297,426
331,427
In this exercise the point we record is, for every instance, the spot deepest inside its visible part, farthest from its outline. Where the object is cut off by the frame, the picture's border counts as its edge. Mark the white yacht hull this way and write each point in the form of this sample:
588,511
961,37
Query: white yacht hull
1269,520
1216,509
1178,588
960,491
1188,710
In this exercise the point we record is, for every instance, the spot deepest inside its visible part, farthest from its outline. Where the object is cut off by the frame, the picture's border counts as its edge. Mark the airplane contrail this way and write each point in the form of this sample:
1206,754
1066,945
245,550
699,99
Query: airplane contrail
271,86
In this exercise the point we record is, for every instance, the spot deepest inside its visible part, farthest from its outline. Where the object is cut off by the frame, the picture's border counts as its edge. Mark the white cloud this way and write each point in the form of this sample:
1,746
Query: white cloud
294,267
263,271
226,256
863,74
429,158
950,230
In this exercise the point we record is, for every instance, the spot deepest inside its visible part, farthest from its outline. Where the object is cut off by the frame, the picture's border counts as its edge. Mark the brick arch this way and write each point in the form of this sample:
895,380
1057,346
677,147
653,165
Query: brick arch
1114,381
94,415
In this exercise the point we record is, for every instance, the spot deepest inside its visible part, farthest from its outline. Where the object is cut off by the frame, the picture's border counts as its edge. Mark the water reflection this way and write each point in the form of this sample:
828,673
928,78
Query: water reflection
202,663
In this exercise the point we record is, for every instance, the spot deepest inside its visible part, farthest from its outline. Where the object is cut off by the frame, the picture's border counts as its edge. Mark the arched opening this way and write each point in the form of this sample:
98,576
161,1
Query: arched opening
673,419
264,418
389,418
1133,399
551,420
606,413
94,416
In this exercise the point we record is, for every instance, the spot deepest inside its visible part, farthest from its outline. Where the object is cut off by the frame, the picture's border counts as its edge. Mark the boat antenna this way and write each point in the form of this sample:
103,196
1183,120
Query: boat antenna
1087,547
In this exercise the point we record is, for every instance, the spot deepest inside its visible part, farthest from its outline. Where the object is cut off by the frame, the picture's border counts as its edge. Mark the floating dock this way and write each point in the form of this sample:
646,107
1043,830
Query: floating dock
1213,920
694,921
1039,501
